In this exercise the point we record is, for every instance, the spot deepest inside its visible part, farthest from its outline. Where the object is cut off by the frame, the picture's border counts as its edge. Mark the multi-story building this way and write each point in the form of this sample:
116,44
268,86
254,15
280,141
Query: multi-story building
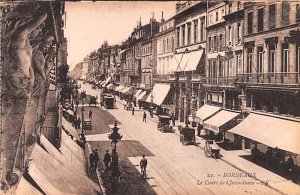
165,48
188,62
270,75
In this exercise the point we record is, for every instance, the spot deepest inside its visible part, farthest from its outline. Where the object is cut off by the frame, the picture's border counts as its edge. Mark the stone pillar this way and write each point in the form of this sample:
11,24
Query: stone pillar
199,29
254,68
186,34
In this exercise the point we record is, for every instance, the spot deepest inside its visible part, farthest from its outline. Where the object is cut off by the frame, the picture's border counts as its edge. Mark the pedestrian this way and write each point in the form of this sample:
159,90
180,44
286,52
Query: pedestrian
107,160
290,166
96,159
78,123
144,117
132,110
90,114
173,119
92,160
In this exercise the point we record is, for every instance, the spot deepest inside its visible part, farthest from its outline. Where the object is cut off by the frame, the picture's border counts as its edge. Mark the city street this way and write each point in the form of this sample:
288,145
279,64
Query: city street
172,167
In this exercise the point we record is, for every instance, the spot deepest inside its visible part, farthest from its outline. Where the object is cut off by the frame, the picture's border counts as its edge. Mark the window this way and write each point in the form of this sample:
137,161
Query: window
285,13
202,29
250,60
195,31
260,20
250,22
260,59
220,41
229,8
178,37
239,5
239,33
209,43
183,35
298,13
285,58
215,43
239,63
214,69
272,59
220,68
189,33
272,13
229,35
217,16
298,60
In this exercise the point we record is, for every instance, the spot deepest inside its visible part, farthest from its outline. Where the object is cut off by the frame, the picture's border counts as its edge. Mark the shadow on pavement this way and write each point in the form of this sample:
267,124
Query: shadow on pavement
131,181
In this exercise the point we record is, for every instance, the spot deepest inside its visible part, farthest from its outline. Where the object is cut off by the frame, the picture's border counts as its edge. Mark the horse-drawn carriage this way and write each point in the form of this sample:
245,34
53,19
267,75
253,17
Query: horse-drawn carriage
164,123
93,100
211,149
187,135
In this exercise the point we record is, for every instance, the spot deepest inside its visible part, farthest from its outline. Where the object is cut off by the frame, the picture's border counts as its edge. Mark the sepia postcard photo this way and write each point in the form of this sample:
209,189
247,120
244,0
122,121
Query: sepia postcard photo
150,97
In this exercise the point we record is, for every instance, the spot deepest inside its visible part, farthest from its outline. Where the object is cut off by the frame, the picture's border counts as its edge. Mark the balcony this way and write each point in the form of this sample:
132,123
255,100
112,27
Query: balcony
220,81
160,78
172,77
196,78
182,78
278,78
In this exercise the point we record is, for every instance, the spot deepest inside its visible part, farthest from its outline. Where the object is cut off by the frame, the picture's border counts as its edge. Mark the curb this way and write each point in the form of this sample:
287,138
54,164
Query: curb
102,187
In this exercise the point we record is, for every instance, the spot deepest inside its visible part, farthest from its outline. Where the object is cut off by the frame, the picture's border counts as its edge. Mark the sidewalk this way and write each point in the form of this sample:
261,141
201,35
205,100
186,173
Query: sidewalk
234,158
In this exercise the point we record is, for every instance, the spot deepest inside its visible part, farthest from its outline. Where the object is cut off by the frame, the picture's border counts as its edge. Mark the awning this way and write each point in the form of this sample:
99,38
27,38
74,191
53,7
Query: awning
54,173
206,111
137,93
106,81
194,60
175,63
159,92
24,187
124,89
216,122
190,61
141,96
110,86
127,90
70,128
271,131
122,51
119,88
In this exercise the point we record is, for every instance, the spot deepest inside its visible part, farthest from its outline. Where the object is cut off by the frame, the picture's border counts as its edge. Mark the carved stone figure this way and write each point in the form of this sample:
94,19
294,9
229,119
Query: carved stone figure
20,76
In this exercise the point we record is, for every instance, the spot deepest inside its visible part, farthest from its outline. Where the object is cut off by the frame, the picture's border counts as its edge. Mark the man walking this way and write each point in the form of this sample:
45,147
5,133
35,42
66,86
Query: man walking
90,114
143,164
78,122
96,159
106,160
92,160
144,117
132,111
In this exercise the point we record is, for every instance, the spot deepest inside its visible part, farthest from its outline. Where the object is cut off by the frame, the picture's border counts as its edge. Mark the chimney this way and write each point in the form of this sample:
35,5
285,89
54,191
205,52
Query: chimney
162,17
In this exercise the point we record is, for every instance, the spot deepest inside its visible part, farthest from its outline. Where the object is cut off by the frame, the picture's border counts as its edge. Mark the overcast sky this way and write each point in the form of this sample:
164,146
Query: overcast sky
88,24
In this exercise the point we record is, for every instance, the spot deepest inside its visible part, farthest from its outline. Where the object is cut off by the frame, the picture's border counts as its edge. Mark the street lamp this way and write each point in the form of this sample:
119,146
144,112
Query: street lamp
151,108
115,136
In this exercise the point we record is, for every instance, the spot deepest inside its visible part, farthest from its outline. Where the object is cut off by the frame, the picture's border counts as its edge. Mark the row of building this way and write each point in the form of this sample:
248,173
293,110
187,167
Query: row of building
242,57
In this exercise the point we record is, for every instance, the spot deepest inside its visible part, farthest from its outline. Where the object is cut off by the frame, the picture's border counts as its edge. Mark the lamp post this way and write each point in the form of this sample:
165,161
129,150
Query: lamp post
115,136
151,108
82,136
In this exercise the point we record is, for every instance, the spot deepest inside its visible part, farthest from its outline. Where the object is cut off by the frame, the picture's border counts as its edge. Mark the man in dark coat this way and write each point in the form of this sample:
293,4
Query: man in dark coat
92,160
144,117
106,160
96,159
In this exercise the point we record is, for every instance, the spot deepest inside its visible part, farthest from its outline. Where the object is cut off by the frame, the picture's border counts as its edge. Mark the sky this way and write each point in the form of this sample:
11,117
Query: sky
89,24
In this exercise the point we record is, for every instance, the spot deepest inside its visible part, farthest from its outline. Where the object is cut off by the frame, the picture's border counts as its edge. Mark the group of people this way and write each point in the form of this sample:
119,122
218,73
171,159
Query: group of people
110,160
77,123
94,158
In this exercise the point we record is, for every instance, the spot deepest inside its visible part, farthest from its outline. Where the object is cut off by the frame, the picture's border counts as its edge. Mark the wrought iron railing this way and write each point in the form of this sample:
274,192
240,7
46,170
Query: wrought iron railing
229,81
277,78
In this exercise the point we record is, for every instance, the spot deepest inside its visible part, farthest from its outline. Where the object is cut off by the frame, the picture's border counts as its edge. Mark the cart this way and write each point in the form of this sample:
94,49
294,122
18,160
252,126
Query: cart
164,123
187,135
87,124
108,101
211,149
93,100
